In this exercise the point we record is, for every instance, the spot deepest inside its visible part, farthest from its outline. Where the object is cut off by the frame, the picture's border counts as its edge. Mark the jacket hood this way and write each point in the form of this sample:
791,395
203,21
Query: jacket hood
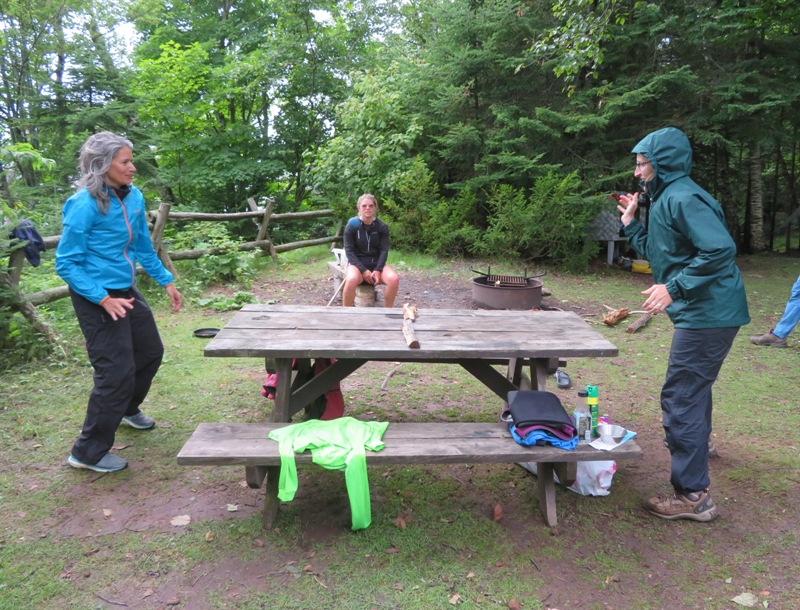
670,154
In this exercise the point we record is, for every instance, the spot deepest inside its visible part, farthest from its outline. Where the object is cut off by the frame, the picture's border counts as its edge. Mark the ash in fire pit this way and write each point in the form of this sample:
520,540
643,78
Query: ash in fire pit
507,291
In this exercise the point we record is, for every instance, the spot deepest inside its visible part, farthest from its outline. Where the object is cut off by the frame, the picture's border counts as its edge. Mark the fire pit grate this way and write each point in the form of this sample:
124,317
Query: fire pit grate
507,280
500,281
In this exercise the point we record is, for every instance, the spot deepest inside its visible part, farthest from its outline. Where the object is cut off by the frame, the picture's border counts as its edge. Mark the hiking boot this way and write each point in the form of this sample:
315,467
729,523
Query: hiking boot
140,421
769,340
695,505
108,463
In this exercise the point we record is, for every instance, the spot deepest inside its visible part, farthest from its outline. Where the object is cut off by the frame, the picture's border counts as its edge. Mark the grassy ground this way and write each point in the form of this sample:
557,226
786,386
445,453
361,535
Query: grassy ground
72,539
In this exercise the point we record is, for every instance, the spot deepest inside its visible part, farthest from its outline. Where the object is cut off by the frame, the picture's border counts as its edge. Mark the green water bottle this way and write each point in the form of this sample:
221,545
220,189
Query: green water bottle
594,406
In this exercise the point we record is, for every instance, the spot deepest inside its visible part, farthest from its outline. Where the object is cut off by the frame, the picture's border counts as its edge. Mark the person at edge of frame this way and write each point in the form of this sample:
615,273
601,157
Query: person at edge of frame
776,337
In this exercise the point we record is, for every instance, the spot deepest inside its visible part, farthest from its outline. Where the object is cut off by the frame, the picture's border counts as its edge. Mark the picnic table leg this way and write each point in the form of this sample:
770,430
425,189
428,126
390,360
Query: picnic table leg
566,472
283,391
254,476
539,373
547,492
271,502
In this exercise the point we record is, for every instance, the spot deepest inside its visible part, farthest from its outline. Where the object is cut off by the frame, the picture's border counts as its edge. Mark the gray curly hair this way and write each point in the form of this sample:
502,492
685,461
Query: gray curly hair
94,162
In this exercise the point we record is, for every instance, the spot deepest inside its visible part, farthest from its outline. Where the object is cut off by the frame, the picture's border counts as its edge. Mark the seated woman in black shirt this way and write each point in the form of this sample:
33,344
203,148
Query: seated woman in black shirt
366,243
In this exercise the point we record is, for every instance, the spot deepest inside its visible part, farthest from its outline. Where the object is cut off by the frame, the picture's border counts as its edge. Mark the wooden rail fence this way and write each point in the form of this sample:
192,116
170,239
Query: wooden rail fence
26,303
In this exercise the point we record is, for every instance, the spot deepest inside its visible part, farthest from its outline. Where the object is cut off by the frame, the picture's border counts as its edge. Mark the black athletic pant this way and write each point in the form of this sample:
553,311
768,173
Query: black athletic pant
126,355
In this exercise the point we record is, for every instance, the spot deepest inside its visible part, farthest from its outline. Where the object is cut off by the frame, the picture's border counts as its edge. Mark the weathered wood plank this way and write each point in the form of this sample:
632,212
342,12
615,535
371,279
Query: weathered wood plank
271,331
406,443
393,346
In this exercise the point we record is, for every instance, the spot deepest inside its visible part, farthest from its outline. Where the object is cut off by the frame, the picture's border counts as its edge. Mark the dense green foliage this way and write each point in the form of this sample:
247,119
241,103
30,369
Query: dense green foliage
314,103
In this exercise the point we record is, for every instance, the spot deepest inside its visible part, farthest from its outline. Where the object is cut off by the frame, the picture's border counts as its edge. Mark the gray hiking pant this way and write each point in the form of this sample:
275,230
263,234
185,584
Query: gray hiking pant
695,359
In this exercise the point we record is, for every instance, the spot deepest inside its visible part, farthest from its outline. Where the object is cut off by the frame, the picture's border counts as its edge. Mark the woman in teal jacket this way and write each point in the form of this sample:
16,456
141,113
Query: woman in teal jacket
104,236
699,286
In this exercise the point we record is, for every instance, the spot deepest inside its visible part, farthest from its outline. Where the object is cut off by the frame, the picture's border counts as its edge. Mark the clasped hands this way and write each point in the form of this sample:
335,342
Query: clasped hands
371,277
658,297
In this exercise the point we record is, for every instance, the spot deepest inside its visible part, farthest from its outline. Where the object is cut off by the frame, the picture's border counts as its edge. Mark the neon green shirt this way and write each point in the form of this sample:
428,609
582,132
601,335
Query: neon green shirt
337,444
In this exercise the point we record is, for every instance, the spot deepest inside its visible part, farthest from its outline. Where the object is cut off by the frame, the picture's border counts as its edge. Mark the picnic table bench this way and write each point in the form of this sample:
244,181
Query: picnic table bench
248,444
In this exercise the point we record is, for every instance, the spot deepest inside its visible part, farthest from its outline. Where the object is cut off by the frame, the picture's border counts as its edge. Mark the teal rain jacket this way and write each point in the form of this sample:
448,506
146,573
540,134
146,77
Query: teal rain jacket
98,252
687,242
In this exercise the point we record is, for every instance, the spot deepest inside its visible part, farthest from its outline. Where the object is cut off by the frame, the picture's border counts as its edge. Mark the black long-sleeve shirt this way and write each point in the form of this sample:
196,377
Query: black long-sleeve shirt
366,246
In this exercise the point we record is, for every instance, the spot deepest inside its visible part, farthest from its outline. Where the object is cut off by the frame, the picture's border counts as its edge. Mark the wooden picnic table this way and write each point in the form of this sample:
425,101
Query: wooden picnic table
475,339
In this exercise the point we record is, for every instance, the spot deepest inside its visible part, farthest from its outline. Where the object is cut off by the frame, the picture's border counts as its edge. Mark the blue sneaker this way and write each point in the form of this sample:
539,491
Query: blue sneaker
140,421
108,463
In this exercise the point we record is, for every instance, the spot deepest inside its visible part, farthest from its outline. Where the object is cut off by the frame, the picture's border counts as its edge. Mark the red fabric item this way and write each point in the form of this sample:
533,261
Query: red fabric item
334,401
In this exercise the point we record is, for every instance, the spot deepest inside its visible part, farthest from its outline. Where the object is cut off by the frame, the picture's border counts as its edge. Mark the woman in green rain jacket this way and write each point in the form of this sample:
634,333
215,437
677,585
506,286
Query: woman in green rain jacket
698,285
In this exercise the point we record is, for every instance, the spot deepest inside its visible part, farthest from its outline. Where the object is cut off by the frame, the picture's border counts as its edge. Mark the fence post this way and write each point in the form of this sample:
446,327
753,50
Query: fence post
15,262
263,226
30,313
157,237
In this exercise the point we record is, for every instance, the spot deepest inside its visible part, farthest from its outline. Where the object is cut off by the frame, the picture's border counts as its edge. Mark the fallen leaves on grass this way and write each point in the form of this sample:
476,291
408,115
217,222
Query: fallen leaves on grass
402,520
746,599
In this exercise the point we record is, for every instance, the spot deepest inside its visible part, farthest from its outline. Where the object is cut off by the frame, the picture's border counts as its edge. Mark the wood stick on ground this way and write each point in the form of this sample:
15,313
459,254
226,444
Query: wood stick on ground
389,375
335,294
640,323
615,315
409,312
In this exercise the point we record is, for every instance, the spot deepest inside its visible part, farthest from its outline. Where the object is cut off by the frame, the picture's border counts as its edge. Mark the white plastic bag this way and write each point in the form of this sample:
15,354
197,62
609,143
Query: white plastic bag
594,478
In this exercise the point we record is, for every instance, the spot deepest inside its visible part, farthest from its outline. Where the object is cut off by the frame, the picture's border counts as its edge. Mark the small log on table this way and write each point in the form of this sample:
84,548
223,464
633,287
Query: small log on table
409,315
641,322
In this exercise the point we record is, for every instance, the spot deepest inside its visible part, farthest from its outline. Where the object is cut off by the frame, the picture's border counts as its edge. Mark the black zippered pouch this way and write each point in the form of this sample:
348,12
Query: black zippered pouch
539,410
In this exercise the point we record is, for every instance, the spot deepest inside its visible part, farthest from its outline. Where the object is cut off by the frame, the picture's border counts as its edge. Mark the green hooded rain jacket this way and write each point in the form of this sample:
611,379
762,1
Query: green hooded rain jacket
687,242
